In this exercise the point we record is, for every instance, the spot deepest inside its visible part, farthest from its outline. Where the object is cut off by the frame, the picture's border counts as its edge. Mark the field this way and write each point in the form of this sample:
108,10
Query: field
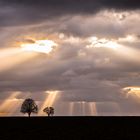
23,128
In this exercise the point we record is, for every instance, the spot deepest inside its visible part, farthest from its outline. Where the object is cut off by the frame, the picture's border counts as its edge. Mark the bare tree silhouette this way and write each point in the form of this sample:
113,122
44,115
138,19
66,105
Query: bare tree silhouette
29,106
49,111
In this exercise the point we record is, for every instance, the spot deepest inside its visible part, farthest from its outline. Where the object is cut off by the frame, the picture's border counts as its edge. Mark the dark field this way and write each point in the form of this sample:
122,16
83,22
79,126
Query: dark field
48,128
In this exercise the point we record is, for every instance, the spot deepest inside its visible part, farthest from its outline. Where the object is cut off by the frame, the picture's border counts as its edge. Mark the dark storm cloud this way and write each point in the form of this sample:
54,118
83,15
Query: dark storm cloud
76,5
29,11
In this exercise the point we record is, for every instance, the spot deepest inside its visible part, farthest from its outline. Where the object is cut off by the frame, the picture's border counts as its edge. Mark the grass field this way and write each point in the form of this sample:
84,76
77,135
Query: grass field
48,128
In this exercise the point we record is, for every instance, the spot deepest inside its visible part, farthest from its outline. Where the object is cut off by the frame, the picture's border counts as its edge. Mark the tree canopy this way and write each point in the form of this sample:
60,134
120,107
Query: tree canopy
29,106
49,111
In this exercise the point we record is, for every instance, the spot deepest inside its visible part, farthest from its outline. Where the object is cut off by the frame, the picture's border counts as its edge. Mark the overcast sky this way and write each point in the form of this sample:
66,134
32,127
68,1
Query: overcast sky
93,70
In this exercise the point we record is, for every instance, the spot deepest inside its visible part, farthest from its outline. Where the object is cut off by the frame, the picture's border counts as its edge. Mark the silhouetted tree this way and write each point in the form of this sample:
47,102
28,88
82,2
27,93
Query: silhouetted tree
29,106
49,111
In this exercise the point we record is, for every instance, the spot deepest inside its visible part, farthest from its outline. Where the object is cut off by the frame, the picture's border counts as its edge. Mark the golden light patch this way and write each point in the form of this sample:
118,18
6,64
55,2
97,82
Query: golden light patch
103,43
41,46
132,91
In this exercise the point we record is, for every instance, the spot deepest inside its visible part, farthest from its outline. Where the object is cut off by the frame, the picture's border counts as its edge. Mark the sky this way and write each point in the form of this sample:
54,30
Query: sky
81,57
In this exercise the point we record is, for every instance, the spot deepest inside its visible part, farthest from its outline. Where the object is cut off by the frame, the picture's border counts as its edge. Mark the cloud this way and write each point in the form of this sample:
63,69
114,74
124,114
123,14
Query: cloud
25,12
82,74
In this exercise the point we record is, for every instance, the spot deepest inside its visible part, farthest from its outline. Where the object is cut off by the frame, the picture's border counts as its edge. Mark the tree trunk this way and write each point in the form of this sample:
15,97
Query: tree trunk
29,114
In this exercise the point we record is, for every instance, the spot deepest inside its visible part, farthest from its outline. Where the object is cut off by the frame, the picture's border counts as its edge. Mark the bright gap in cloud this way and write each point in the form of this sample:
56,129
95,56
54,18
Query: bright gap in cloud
41,46
97,43
132,91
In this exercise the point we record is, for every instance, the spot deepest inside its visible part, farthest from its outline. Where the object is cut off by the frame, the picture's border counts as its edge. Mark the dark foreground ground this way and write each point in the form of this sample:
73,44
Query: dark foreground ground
59,128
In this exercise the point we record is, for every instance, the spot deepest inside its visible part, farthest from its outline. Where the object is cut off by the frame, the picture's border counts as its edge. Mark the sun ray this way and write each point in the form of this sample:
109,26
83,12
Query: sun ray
8,105
71,108
9,52
18,103
13,60
128,53
49,101
83,108
120,50
11,104
93,108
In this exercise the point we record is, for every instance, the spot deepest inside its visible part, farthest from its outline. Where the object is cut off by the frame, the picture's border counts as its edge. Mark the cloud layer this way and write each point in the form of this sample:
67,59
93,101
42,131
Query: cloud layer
26,12
96,58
